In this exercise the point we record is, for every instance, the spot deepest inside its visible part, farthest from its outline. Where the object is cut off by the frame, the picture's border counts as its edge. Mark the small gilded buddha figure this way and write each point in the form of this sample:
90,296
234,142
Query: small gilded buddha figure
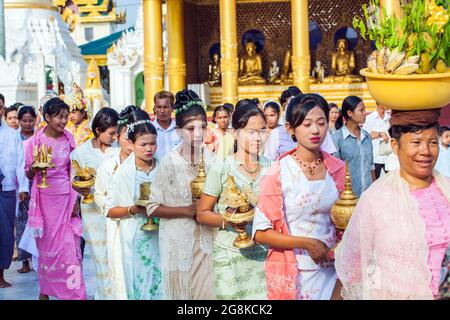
343,64
214,71
274,72
318,73
250,66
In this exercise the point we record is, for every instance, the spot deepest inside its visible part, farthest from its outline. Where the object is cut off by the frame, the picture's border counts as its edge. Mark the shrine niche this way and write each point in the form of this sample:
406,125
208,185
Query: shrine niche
273,20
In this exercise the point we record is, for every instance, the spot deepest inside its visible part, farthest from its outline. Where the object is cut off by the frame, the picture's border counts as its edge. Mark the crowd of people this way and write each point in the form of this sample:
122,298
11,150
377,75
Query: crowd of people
286,157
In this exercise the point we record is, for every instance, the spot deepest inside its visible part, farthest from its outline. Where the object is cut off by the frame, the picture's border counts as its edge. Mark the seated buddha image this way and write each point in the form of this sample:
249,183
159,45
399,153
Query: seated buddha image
343,64
214,72
250,66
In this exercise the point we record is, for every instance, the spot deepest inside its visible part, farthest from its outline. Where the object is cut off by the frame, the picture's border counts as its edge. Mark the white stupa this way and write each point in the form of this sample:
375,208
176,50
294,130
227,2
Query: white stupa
37,40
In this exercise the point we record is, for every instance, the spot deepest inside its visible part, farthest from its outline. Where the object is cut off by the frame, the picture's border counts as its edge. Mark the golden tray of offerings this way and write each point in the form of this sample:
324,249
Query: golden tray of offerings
409,92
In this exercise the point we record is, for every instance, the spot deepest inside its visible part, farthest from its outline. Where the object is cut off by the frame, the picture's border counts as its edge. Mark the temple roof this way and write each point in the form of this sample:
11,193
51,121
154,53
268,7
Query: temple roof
96,10
101,46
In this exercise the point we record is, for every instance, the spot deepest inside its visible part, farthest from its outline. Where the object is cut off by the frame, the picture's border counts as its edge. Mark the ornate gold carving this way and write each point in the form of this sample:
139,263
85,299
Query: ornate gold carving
176,68
153,66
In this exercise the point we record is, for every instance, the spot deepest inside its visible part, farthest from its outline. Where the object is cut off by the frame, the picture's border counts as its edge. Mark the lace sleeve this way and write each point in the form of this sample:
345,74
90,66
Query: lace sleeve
160,187
353,254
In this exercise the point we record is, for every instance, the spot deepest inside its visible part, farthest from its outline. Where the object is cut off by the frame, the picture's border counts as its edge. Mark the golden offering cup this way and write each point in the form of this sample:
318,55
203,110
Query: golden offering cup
144,195
84,183
42,162
239,218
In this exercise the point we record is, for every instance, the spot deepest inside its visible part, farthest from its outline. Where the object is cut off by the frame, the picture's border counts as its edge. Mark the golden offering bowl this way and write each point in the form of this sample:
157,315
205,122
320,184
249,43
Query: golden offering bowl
198,183
150,225
341,213
409,92
239,218
197,188
144,195
342,210
81,183
43,167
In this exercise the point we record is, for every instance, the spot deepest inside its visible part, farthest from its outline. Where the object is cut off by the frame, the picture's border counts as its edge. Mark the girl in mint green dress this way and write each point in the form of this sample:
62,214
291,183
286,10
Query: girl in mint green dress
238,273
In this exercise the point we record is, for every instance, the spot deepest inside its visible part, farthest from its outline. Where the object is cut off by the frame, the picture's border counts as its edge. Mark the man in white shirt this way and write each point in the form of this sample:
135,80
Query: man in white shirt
168,137
12,178
377,124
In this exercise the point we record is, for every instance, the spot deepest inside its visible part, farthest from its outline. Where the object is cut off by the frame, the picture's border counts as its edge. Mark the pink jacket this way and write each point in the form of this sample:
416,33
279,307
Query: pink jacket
281,265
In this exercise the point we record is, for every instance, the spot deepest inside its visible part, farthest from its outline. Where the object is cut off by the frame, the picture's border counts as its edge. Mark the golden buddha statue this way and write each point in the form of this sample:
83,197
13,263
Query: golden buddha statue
214,71
286,73
250,66
343,64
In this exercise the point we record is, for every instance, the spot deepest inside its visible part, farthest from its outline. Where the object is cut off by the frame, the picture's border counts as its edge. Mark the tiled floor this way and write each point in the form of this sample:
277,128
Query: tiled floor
25,286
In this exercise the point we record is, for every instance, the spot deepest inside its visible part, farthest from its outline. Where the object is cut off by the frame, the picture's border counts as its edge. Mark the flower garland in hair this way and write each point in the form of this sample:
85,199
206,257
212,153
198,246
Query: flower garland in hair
130,127
121,122
189,105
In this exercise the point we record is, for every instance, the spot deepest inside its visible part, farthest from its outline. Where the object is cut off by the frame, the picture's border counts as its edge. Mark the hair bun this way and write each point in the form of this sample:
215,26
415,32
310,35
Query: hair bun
186,98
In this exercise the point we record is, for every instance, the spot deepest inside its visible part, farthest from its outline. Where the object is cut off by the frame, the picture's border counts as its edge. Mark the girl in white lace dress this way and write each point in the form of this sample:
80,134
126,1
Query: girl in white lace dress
186,247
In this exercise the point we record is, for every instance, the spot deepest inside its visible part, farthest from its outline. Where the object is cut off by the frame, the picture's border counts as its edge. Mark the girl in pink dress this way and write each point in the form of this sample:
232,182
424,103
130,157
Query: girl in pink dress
52,215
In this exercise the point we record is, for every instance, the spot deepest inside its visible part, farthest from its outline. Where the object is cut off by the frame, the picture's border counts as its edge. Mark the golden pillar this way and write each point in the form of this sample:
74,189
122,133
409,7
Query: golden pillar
301,59
153,51
228,49
176,61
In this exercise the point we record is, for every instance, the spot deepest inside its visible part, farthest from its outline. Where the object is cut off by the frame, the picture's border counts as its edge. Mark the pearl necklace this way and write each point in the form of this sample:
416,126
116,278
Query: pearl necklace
147,172
310,166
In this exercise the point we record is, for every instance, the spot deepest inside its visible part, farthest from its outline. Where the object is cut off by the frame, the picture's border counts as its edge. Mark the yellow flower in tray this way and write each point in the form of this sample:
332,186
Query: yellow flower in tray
438,15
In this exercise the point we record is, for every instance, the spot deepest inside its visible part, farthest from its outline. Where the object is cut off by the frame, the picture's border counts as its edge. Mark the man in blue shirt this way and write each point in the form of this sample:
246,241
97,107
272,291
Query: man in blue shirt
167,138
12,178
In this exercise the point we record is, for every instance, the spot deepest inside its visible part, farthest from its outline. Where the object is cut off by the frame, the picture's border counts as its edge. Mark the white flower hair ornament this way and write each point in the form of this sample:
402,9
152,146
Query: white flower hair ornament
131,126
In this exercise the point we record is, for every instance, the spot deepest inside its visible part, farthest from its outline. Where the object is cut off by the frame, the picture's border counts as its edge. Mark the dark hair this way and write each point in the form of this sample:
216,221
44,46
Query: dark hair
443,129
245,102
291,91
164,95
299,107
243,113
332,105
104,119
272,104
17,105
24,110
10,109
229,106
349,104
187,105
256,100
137,130
54,107
218,109
2,97
396,132
123,117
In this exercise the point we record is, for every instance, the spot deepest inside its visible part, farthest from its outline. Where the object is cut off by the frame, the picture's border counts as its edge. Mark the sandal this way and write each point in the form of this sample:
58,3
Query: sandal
24,270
